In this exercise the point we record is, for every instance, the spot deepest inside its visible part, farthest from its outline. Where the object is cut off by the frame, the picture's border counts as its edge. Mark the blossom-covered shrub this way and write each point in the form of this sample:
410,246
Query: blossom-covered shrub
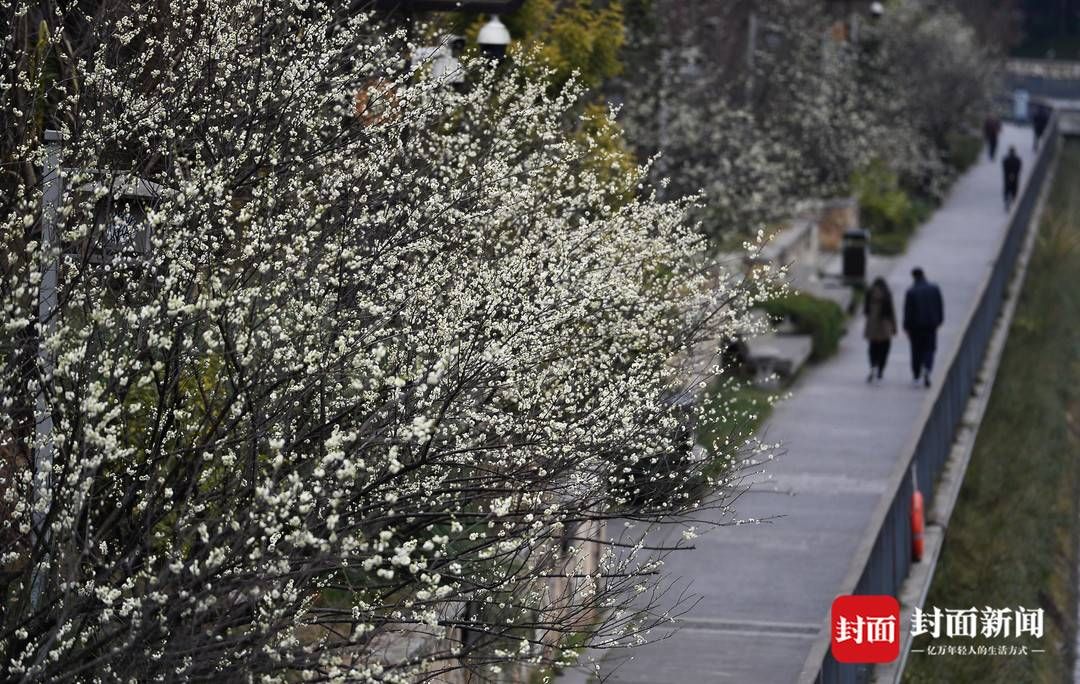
348,375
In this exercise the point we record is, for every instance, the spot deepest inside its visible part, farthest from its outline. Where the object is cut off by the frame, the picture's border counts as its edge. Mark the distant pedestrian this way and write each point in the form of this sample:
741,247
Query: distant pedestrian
1039,120
880,326
924,311
1011,166
991,131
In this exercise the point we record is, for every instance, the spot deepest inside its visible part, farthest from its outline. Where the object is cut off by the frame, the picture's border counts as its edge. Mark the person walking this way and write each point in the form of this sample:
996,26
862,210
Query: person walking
924,312
1011,166
880,326
991,132
1039,120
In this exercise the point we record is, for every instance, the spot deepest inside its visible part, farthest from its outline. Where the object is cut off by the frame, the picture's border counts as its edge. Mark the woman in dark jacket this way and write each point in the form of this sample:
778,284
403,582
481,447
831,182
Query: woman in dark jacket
880,326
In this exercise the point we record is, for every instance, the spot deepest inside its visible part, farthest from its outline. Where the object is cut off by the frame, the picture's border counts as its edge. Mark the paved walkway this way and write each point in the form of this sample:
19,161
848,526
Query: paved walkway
765,590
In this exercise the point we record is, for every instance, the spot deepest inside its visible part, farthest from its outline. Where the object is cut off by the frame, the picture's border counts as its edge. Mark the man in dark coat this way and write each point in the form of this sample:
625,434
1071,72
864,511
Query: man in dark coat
1039,120
1011,165
924,312
991,131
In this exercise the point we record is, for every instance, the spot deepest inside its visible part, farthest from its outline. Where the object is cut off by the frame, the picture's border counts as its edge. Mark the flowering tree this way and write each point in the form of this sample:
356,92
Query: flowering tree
762,105
939,76
806,90
346,371
758,128
682,103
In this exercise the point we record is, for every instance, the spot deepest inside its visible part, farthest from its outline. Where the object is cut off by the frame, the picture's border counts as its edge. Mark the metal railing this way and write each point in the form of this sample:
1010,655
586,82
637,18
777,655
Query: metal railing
1056,69
882,561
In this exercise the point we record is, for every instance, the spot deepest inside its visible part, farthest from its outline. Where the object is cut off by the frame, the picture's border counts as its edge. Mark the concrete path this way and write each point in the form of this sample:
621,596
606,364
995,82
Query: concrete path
765,590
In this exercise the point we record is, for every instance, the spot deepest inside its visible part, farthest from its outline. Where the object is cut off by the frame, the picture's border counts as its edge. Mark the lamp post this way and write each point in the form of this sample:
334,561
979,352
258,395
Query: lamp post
47,304
849,29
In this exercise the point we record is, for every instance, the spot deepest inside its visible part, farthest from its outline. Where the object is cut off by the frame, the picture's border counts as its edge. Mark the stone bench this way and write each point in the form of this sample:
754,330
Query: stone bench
777,358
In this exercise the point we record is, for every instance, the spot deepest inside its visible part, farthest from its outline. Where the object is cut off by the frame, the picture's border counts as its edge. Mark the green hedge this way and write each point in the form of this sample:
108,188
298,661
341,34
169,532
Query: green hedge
823,319
886,209
964,150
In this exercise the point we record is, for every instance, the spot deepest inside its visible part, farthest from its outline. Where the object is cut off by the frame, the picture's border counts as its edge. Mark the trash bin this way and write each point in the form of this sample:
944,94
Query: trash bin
856,241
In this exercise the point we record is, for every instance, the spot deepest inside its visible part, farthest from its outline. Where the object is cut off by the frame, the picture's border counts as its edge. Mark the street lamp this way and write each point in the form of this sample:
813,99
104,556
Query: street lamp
493,38
442,59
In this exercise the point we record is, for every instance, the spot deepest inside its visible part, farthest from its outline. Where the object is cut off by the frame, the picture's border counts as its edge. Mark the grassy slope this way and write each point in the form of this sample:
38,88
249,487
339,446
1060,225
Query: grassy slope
1012,539
749,405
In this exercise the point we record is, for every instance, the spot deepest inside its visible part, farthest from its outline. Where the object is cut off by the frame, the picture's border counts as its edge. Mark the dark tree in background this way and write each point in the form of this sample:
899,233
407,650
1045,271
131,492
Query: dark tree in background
1051,28
999,23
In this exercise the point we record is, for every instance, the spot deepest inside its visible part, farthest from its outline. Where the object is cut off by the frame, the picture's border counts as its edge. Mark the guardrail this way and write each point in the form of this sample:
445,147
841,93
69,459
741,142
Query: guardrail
1043,78
1043,68
882,561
